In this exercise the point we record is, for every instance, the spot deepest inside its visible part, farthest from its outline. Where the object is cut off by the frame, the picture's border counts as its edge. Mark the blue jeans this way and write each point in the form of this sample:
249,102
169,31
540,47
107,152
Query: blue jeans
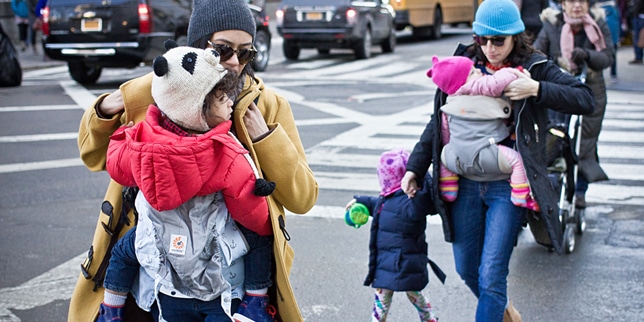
638,23
189,310
124,266
486,226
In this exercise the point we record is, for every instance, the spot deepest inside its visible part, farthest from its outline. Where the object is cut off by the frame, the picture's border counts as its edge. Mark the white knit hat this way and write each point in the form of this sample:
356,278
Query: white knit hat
183,78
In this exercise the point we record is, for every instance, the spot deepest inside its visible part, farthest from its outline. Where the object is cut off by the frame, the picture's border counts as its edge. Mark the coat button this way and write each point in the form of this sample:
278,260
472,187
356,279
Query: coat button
535,176
550,210
173,293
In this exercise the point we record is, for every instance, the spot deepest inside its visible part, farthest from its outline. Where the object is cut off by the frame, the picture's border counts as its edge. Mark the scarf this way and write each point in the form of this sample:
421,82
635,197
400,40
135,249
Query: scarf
567,41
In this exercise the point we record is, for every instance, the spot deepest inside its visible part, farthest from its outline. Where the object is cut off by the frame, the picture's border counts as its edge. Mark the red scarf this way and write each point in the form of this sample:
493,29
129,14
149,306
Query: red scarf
567,42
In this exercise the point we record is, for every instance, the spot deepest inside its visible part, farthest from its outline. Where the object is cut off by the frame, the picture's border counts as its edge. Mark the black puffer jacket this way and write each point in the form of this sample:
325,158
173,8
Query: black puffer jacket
558,91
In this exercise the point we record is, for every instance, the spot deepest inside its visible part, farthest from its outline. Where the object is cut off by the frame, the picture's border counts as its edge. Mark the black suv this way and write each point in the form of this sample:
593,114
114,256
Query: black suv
93,34
328,24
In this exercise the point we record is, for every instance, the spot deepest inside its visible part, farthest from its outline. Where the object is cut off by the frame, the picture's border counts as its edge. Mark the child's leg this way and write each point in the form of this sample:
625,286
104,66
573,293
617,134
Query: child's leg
422,306
381,304
448,184
258,263
119,276
518,179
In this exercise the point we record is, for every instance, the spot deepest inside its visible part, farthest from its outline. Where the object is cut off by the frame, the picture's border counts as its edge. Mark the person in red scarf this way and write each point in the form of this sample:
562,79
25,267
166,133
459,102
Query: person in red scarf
576,37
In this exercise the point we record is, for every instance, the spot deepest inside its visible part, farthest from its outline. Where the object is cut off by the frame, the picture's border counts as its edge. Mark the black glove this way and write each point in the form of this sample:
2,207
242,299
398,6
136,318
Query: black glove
579,55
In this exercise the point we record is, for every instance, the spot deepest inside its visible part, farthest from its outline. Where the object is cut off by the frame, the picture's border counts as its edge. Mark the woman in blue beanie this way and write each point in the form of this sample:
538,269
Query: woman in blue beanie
482,223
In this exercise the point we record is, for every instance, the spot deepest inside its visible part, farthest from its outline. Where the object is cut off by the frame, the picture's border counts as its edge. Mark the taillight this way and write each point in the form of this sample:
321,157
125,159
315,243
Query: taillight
351,16
265,22
45,20
279,15
145,22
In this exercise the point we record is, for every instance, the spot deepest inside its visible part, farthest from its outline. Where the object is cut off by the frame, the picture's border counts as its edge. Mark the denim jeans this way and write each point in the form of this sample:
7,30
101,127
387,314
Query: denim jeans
258,262
638,23
124,267
188,310
486,226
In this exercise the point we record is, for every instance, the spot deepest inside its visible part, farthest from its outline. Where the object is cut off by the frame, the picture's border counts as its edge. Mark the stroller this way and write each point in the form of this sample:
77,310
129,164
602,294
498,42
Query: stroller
562,147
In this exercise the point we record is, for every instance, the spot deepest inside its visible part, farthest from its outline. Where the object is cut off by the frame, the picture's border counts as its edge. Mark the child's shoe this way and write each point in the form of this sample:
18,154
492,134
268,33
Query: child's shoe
110,313
255,308
448,187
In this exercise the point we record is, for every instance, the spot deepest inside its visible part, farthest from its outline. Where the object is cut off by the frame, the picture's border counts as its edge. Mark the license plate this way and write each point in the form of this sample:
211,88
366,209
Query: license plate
94,24
314,16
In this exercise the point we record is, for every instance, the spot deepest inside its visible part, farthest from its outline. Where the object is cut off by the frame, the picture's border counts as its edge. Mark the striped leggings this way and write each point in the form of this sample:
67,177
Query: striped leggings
382,303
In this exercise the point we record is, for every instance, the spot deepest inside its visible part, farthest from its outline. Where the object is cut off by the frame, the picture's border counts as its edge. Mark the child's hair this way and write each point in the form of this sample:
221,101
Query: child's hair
391,169
226,85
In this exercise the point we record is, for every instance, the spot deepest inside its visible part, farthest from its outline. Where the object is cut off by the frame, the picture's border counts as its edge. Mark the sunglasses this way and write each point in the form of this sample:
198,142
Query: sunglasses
244,56
496,41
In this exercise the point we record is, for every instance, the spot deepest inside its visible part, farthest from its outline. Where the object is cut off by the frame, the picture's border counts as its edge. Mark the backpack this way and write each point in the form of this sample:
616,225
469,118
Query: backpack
11,72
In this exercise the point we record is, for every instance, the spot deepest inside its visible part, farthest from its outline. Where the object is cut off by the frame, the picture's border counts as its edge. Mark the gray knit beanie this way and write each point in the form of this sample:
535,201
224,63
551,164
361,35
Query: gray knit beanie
210,16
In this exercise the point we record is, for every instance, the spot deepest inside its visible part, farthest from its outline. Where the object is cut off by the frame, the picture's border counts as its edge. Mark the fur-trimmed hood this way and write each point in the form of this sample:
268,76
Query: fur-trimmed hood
552,15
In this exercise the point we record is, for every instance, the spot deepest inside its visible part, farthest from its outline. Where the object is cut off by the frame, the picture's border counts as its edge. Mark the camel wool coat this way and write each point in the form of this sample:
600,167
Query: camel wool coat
279,157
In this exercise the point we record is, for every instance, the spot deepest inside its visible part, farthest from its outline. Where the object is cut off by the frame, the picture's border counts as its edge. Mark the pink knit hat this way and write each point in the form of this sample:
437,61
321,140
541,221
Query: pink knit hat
450,73
391,170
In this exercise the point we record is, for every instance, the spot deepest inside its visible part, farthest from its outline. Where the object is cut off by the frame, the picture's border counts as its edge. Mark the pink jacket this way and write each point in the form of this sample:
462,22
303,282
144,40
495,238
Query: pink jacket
489,85
171,169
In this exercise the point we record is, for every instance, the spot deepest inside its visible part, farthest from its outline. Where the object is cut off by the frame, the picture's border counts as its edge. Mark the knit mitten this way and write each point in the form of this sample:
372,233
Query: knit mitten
521,196
448,187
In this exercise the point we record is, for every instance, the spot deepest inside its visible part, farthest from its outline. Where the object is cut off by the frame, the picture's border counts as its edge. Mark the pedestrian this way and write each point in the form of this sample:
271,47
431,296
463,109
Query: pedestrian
638,25
474,126
262,121
482,223
190,125
21,12
613,20
397,247
530,10
573,38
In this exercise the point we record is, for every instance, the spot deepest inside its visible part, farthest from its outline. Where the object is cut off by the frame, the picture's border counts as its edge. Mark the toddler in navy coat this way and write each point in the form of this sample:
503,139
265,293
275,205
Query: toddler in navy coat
397,247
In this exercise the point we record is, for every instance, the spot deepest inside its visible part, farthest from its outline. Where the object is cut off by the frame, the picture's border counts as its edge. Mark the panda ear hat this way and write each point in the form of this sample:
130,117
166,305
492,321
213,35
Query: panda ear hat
183,77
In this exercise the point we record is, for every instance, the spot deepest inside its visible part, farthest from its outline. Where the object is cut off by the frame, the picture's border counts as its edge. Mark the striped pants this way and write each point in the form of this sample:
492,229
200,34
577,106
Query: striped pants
382,303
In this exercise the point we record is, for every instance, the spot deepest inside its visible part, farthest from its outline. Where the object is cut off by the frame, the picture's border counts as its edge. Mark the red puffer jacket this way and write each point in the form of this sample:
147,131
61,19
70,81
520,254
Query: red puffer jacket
170,169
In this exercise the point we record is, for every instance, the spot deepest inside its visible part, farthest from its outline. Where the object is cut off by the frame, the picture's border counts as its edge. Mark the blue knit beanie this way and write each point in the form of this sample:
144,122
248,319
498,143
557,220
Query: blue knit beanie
497,17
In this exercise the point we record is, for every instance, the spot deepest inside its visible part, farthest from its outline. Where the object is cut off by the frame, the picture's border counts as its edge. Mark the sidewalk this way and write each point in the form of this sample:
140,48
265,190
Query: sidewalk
631,77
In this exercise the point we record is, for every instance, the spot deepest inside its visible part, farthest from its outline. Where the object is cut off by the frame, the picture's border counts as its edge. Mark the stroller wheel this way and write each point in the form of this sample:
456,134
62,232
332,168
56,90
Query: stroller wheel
569,238
580,220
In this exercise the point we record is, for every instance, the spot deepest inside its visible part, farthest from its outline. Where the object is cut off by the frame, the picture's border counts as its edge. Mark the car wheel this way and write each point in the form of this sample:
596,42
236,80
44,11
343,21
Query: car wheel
263,46
438,24
290,52
362,49
83,74
389,44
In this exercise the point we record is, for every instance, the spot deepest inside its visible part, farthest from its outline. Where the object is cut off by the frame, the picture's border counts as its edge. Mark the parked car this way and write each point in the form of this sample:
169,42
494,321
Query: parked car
95,34
329,24
262,35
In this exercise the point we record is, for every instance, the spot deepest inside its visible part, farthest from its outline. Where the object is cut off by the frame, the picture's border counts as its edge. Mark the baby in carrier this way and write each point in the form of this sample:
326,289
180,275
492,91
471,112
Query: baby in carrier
475,136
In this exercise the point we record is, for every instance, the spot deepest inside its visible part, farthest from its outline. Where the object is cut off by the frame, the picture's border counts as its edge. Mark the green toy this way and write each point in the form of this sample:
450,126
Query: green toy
357,215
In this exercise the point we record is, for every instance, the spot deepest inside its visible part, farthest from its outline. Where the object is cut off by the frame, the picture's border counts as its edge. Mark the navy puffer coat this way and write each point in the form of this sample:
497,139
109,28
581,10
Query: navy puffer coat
397,247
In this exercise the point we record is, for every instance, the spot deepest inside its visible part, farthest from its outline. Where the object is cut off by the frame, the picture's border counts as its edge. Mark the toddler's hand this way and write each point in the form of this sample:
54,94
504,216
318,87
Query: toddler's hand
350,204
